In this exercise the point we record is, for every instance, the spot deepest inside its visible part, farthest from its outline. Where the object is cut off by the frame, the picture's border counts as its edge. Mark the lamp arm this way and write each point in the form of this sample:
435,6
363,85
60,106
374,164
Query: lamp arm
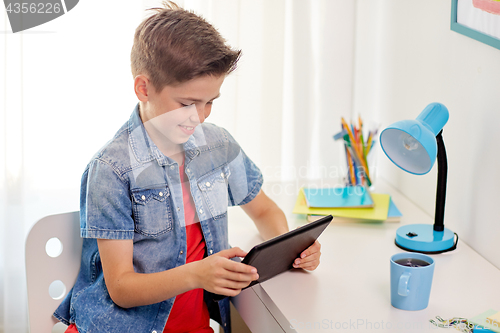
441,183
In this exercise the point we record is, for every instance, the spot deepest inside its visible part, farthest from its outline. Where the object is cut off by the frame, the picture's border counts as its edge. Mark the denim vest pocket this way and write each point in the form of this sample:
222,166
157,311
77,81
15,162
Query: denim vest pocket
152,211
214,188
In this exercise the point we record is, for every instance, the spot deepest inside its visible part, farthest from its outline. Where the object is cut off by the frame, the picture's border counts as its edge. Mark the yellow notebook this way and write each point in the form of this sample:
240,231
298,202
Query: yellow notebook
377,213
483,321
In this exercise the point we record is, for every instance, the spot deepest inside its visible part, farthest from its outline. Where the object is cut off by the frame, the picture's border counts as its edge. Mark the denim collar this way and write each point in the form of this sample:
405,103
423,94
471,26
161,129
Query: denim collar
145,150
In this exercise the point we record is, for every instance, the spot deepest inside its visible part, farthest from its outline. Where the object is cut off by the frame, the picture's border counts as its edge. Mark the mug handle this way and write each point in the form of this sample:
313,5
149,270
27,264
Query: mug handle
403,284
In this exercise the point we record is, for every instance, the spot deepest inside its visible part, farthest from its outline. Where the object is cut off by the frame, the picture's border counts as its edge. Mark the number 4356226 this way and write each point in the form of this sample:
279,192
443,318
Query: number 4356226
34,8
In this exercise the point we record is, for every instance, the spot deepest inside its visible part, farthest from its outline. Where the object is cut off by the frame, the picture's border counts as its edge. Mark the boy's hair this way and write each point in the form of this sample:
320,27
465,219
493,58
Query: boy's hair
175,45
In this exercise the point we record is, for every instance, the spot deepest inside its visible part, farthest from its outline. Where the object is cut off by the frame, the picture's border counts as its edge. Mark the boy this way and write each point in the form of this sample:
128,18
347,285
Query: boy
153,210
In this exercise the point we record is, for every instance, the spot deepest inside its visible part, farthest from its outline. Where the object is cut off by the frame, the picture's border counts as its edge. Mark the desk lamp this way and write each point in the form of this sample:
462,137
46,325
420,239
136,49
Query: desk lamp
413,146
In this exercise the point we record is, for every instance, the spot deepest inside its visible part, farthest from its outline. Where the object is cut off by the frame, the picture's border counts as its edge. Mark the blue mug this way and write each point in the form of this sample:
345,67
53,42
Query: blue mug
411,280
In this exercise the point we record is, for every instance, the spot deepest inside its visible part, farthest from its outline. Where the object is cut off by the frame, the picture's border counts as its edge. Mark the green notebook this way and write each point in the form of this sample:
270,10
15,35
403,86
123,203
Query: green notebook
377,213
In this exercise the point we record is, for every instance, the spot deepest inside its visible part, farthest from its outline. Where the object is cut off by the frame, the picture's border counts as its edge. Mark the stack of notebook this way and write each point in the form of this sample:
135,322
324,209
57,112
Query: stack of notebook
346,203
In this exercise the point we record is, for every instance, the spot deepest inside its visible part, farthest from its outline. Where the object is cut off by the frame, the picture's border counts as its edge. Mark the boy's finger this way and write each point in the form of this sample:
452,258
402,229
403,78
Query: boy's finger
238,267
315,247
310,266
232,252
312,257
241,278
237,285
306,264
228,291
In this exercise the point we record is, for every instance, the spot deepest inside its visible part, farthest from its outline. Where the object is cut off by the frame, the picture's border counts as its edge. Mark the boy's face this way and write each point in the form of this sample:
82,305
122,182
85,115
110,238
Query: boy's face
171,116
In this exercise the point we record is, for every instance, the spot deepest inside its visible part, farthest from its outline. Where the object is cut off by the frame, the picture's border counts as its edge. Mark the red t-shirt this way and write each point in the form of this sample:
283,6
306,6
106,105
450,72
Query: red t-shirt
190,313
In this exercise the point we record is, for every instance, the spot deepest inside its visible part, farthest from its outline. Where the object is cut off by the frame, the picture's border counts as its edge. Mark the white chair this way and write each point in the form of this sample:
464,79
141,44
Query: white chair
53,251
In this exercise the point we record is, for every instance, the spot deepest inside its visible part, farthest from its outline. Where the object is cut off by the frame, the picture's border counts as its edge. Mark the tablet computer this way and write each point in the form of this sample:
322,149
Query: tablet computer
277,255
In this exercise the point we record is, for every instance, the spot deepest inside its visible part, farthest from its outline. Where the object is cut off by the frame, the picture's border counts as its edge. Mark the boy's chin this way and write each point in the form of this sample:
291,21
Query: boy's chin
181,139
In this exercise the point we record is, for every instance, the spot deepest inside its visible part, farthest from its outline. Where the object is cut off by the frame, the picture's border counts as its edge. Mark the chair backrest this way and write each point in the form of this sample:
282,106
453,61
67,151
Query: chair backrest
53,251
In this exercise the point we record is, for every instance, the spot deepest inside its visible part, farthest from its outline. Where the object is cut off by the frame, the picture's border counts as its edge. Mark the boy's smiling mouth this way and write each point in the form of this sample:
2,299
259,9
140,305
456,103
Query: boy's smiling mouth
188,130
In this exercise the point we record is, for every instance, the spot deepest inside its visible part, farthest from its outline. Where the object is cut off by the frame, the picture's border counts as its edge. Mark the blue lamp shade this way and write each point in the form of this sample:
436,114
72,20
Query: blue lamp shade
411,144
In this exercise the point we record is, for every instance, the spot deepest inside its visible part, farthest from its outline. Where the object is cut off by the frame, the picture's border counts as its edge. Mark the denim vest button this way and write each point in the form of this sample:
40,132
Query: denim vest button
201,211
172,167
187,170
153,332
178,209
211,251
160,194
208,184
143,197
182,252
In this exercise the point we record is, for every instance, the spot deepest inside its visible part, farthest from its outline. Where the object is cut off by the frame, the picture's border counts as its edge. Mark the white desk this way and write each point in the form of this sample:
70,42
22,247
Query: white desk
349,291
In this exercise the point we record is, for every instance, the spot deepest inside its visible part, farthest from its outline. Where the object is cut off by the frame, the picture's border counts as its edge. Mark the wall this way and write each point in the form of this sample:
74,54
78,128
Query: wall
406,58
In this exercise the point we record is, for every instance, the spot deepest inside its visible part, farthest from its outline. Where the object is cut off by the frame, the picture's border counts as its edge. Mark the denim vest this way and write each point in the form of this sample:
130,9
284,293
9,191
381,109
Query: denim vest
130,190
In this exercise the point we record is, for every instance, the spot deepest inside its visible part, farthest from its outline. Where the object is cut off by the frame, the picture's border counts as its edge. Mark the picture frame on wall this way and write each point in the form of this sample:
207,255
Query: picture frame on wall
477,19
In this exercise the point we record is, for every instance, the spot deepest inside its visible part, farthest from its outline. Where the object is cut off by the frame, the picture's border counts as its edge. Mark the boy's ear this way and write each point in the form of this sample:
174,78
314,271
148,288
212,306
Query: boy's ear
141,86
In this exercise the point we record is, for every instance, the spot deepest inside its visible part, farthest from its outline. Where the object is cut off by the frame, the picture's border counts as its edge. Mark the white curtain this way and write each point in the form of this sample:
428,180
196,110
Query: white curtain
66,88
293,83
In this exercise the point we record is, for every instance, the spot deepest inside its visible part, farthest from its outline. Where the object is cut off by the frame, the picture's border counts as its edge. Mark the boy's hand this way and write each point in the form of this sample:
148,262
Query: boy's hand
220,275
309,259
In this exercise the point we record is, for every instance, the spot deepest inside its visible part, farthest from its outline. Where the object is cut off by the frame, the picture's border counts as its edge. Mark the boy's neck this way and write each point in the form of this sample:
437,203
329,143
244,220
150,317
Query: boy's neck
174,151
169,149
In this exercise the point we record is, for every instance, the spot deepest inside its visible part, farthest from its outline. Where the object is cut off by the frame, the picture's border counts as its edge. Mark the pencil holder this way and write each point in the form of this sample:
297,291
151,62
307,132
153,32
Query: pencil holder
360,163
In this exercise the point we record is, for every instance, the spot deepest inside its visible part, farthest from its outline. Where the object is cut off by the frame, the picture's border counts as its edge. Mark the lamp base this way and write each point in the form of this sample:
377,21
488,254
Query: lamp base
422,238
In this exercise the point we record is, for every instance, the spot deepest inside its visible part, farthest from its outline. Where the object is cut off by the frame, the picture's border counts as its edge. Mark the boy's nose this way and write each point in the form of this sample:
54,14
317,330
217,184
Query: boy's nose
197,118
201,114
